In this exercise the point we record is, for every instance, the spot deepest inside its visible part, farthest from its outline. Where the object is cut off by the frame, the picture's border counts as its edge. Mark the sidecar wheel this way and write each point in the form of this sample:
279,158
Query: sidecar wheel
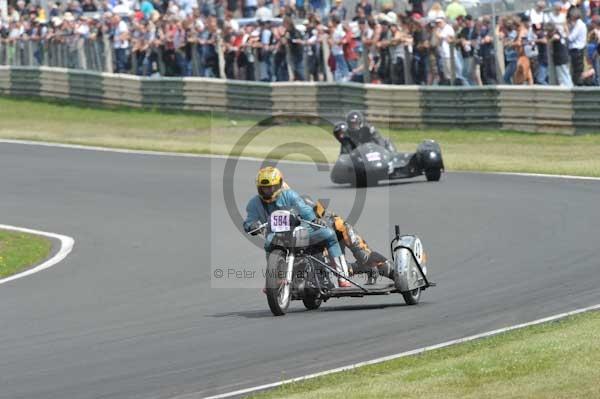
412,297
278,291
311,302
433,174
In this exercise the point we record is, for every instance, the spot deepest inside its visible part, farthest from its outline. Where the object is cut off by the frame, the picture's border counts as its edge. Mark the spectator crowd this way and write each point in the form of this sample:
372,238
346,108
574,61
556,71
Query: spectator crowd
265,40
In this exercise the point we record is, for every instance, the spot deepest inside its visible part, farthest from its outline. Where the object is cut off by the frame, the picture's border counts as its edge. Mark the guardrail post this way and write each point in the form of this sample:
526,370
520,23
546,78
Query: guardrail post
364,56
305,65
551,67
44,49
408,77
220,55
108,58
288,61
326,54
12,53
161,61
134,63
28,52
255,54
499,52
81,58
452,64
18,58
195,60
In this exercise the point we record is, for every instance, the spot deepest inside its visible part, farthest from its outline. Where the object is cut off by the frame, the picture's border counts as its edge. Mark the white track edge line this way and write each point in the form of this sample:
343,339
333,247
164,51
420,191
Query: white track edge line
245,158
66,246
407,353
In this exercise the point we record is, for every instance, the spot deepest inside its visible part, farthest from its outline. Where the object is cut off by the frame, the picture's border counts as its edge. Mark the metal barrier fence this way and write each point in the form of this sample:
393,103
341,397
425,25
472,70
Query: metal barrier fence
68,52
533,109
73,52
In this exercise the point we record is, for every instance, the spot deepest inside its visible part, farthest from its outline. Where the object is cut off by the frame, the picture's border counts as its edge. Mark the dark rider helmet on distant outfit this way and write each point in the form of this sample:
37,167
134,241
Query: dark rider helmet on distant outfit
355,120
339,130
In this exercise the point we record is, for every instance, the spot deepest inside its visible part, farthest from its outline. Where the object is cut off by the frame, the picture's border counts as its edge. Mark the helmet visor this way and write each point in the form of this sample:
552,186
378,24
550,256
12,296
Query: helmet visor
354,122
267,192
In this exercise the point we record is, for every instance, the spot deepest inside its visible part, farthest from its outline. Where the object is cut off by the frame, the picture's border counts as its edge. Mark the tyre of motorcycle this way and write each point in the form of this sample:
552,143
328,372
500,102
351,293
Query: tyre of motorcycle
429,154
314,285
407,277
360,171
278,292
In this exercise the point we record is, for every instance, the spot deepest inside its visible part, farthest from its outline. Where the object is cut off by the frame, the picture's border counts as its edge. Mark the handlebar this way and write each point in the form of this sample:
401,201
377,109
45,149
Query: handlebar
262,226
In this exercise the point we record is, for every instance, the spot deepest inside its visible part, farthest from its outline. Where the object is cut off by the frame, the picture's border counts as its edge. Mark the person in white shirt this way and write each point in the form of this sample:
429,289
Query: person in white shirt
577,41
445,34
263,13
537,15
435,12
120,43
558,18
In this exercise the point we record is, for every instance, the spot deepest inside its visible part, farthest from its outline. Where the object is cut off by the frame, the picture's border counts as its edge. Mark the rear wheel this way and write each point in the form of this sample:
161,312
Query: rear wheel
433,174
277,289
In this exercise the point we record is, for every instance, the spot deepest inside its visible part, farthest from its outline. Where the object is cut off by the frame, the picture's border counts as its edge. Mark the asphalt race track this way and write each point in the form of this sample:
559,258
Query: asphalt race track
130,313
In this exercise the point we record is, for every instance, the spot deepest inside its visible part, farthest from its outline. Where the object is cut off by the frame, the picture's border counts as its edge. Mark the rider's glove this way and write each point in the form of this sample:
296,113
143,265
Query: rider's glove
253,228
320,222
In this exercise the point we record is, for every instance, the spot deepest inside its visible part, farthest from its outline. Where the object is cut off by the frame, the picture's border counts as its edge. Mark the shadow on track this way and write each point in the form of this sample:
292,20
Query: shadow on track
382,184
259,314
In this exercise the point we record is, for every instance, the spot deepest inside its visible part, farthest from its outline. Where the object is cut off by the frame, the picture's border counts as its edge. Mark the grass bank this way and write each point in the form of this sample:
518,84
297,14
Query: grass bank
19,251
469,150
554,360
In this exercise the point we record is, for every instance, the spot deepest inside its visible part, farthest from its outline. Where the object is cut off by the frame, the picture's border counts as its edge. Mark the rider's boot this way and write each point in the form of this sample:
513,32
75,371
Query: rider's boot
342,267
386,269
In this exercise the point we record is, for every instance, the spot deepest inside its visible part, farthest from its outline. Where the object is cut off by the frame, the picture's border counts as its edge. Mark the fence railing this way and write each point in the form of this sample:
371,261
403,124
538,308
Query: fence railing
532,109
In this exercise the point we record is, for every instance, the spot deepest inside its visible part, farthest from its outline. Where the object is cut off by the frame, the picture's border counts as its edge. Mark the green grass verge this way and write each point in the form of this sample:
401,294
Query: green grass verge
19,251
470,150
554,360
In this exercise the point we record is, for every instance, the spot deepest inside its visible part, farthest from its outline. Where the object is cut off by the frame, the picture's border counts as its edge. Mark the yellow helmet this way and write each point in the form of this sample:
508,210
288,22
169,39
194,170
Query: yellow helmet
269,183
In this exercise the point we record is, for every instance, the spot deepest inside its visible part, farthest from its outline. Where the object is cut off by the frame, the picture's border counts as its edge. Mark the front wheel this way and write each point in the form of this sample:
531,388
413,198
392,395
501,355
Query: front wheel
277,289
433,174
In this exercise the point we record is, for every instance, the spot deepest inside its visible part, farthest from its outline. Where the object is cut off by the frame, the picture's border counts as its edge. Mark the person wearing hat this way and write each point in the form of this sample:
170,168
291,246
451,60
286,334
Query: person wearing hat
455,10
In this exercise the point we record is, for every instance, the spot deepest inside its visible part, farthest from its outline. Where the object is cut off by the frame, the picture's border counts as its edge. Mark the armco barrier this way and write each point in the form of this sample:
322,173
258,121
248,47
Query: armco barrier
522,108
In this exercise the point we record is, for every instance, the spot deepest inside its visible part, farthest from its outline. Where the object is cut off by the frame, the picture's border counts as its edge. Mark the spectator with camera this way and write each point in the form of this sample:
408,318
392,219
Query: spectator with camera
560,54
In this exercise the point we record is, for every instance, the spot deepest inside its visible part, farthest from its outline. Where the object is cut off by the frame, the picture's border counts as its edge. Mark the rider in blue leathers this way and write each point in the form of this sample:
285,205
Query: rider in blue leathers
274,195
